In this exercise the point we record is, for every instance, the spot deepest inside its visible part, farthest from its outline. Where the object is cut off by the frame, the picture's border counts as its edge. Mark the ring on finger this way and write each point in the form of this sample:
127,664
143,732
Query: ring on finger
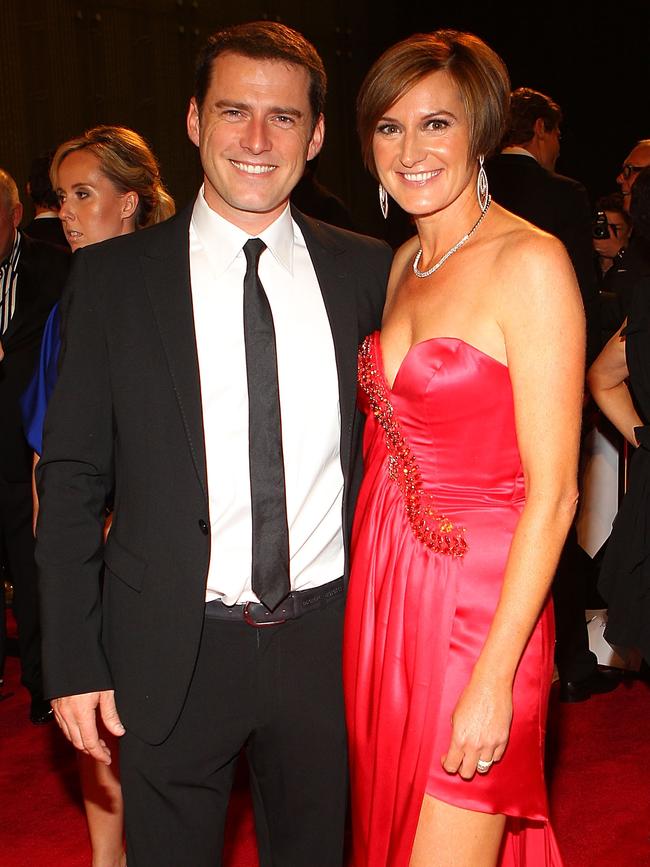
483,767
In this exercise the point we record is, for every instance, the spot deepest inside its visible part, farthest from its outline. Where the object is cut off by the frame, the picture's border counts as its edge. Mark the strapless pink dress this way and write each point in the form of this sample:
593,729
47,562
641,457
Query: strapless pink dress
441,497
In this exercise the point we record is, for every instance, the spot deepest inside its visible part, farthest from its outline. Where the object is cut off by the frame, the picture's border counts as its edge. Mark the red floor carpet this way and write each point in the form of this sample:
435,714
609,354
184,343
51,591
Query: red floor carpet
599,767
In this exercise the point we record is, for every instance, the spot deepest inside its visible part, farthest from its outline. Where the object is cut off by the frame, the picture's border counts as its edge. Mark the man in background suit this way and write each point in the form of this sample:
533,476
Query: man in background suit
185,345
46,225
522,179
32,275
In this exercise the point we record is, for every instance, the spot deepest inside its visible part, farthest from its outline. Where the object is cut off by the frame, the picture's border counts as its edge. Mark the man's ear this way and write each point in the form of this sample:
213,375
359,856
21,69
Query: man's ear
540,128
17,214
317,138
193,125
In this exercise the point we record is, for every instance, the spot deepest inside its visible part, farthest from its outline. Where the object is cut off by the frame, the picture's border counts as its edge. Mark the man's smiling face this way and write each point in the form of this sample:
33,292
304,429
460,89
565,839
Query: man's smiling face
255,131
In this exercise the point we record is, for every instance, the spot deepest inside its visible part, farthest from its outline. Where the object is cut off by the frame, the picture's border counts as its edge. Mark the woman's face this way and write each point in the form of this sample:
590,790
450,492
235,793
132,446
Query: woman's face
619,232
421,146
92,209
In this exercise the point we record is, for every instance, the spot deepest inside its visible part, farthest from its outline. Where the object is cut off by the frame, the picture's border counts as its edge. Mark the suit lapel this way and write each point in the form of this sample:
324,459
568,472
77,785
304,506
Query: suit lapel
166,269
339,295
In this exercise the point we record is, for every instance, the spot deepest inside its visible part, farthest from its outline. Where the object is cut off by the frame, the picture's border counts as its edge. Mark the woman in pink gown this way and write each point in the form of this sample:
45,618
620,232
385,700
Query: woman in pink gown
473,396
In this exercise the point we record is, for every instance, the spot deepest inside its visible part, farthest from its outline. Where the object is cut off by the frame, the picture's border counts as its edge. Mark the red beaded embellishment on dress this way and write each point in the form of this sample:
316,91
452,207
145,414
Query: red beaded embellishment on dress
434,530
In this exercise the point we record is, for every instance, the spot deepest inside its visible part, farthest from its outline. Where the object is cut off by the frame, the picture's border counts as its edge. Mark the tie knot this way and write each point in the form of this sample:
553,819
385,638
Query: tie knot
253,249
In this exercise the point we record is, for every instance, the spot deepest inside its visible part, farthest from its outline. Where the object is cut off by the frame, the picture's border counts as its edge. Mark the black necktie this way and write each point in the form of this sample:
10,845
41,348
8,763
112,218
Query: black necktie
270,564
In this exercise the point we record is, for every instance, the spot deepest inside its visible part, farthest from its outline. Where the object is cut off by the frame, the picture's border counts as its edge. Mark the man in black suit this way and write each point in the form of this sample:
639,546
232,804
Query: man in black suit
168,407
522,178
46,225
32,275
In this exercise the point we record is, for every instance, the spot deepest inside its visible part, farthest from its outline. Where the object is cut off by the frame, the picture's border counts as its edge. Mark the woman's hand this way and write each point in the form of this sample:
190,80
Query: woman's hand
480,727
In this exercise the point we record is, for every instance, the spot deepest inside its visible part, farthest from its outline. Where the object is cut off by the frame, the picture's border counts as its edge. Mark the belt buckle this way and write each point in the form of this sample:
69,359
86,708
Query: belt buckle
248,618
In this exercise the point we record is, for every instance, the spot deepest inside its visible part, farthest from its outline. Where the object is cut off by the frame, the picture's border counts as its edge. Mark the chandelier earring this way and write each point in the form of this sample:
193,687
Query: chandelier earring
482,192
383,201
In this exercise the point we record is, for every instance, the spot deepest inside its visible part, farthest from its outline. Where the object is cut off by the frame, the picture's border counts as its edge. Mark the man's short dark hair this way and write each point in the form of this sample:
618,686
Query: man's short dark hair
263,40
527,106
40,186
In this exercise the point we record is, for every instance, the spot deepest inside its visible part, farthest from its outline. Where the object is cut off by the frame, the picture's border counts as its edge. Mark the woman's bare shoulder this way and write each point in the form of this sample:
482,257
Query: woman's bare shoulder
532,274
520,243
527,261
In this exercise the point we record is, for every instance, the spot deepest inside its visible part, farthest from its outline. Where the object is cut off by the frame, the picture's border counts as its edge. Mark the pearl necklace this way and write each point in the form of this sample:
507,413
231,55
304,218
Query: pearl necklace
451,252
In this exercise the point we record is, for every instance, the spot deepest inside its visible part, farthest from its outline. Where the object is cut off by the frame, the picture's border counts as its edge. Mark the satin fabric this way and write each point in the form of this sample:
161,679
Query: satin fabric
416,620
33,403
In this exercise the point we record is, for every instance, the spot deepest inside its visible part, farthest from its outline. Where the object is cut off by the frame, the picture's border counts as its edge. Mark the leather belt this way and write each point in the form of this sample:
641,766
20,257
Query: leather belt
296,604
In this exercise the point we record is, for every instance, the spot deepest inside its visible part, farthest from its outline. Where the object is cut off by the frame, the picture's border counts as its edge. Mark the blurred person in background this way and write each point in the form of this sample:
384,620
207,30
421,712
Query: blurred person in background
107,183
45,225
633,263
611,232
619,380
32,276
523,180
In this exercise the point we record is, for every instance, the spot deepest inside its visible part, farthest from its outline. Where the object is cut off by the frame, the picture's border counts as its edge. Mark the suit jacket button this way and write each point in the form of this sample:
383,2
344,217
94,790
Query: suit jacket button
204,527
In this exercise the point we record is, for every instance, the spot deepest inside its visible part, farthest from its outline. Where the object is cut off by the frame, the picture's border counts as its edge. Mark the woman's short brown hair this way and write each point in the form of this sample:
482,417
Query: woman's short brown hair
479,73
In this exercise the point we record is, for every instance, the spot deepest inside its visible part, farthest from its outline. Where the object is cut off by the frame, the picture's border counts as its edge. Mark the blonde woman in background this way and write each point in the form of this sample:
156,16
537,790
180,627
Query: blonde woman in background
108,184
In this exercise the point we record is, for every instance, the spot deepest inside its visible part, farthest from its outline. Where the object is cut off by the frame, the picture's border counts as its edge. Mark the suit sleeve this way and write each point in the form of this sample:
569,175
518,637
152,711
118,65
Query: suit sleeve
575,221
74,480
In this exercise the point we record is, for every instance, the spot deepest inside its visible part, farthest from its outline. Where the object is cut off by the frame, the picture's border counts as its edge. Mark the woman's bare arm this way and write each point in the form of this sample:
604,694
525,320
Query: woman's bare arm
541,316
607,382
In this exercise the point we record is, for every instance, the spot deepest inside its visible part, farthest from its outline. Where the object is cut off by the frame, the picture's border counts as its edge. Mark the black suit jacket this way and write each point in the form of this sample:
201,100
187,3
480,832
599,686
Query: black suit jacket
125,422
560,206
42,271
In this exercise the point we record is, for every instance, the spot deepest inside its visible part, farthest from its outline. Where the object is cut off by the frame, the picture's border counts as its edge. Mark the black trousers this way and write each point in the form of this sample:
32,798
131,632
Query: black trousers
573,658
277,693
18,548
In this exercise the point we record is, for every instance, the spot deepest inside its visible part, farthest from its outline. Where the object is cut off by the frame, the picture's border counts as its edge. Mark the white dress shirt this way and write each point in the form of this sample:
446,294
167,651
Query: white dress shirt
309,402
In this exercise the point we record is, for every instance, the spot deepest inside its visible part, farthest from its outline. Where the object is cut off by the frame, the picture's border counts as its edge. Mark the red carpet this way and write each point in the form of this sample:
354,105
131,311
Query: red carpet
599,771
599,764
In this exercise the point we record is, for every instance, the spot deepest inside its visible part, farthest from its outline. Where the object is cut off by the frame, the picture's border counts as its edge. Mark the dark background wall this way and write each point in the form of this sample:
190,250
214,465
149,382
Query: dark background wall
68,64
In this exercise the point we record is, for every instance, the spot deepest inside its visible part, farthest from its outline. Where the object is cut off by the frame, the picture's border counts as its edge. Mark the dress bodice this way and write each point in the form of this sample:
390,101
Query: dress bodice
454,405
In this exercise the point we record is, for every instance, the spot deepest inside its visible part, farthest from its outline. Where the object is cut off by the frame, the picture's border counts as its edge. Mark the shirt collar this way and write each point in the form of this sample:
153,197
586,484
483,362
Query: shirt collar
516,149
223,241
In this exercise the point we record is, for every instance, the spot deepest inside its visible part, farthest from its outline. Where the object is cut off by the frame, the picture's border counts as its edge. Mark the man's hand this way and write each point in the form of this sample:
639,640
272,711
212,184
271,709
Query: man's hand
76,716
2,352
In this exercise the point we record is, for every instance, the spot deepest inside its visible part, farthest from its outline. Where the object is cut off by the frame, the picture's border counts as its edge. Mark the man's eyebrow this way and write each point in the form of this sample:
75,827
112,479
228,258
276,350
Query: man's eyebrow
292,112
244,106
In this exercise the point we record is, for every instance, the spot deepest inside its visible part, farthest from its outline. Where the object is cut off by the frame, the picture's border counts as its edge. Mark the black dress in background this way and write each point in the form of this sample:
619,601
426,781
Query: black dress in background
625,576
